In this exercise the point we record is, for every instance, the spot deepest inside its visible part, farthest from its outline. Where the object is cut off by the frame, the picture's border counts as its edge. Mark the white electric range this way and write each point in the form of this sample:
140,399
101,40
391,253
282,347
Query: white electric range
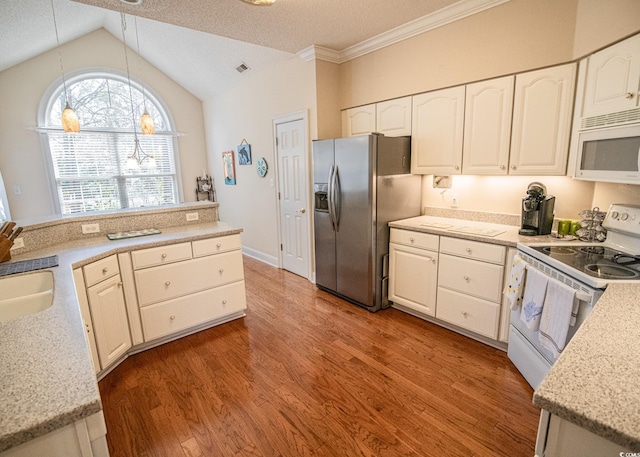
588,267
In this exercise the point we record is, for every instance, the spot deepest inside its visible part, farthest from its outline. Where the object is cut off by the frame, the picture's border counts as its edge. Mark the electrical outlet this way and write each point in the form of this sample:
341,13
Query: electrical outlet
90,228
18,243
192,217
454,200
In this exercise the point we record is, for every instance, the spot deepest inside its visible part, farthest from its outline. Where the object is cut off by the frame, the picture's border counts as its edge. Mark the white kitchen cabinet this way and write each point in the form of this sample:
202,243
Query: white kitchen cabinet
562,438
189,293
613,81
413,270
393,117
109,317
437,132
470,285
83,438
83,301
359,121
487,127
540,131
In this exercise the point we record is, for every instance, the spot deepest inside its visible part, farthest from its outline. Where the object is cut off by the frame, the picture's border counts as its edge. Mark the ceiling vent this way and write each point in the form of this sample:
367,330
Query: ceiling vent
242,67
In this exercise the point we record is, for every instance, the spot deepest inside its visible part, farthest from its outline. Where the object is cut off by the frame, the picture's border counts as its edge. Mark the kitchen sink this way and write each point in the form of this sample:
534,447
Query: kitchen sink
25,294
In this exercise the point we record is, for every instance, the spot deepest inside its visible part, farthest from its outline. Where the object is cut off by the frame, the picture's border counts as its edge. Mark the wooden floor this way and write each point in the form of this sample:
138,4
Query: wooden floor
306,373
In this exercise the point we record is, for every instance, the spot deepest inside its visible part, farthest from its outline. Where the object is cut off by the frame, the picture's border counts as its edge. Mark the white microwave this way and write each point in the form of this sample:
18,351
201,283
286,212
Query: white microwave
609,154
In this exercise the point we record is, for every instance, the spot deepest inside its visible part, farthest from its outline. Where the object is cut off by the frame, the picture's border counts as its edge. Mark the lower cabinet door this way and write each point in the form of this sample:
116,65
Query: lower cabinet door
110,323
172,316
413,278
479,316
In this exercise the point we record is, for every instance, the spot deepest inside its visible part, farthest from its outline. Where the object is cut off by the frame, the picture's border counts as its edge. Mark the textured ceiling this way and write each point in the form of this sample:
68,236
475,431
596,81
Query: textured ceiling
198,43
288,25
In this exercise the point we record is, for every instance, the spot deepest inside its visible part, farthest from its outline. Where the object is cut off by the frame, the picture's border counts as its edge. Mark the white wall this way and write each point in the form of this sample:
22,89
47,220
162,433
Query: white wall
21,90
246,112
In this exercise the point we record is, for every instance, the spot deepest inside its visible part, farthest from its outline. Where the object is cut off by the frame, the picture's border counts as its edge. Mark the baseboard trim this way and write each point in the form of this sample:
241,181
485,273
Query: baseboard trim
261,256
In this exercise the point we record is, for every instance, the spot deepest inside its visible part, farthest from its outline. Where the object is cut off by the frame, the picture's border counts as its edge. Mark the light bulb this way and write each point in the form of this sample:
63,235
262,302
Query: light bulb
70,122
146,124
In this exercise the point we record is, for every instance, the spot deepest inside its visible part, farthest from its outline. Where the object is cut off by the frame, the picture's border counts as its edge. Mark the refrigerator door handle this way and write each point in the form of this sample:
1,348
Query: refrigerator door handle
332,216
335,198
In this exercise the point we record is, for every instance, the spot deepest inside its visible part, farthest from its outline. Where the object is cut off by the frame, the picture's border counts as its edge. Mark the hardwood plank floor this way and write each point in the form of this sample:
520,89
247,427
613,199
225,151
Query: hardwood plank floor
308,374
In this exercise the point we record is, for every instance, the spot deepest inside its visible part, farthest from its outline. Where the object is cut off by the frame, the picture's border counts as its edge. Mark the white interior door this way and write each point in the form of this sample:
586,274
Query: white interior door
294,210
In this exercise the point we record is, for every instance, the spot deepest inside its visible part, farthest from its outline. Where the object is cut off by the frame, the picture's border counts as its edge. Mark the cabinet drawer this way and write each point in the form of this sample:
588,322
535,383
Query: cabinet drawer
473,249
183,278
474,314
216,245
181,313
101,270
415,239
480,279
161,255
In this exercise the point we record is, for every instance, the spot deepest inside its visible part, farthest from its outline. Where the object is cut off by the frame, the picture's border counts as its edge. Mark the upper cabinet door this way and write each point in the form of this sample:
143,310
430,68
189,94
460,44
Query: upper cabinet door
438,122
359,121
487,127
393,117
541,121
613,79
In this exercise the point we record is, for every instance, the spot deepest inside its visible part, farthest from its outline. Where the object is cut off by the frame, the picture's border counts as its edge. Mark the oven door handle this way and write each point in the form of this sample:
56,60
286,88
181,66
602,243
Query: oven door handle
583,297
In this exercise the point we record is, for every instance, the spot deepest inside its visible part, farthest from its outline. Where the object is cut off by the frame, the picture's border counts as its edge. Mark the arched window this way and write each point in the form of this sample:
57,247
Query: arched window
93,170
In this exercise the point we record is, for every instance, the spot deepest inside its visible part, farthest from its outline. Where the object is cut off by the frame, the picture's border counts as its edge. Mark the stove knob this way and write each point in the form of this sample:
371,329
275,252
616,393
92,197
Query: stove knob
615,214
624,216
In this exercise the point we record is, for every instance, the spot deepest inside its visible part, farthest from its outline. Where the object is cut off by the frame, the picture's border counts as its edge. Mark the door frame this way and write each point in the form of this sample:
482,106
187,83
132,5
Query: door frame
303,116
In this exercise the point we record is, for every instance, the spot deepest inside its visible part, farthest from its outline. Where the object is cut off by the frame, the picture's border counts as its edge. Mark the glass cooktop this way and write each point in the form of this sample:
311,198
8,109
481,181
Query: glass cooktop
597,261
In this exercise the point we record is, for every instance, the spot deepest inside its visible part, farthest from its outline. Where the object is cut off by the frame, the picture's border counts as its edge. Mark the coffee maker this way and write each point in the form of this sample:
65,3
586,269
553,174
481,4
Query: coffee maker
537,211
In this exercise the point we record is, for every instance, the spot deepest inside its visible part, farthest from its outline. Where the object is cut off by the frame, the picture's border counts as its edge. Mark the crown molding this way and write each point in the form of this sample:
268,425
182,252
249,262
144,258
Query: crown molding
320,53
452,13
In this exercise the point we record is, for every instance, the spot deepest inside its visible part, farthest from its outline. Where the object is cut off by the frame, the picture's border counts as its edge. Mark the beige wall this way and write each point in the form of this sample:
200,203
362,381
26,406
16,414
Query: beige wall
22,88
600,23
516,36
328,99
247,112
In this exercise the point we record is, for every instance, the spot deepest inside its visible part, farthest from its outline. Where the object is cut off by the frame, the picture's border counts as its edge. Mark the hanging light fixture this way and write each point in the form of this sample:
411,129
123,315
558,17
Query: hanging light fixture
260,2
138,155
146,121
70,122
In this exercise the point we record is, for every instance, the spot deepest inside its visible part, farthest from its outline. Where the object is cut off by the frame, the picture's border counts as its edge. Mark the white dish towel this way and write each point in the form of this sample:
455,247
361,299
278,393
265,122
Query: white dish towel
515,286
535,290
556,316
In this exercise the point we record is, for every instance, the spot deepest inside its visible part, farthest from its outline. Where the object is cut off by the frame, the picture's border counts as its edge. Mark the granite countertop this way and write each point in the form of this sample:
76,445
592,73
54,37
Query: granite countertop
595,382
47,378
506,235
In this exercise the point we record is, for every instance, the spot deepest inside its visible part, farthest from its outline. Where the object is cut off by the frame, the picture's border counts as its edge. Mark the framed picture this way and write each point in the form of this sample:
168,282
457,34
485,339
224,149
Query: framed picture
244,154
229,167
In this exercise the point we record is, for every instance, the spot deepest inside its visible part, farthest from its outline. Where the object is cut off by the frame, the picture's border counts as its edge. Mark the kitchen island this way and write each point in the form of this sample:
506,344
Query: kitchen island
48,381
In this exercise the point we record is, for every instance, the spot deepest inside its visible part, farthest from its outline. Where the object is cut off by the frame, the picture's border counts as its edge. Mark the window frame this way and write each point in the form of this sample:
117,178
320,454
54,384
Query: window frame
49,98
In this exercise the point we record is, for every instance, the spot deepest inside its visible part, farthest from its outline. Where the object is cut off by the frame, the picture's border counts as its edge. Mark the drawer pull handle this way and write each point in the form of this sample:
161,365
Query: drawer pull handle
164,256
465,314
172,317
224,302
104,270
219,245
466,278
120,284
221,270
411,239
168,283
468,250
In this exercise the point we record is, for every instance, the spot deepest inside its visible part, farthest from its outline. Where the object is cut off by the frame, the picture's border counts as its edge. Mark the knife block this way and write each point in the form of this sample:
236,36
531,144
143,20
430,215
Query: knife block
5,249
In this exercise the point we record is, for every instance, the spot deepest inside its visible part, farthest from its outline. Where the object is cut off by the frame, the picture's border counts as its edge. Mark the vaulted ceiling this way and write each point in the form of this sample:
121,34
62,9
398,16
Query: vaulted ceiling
199,43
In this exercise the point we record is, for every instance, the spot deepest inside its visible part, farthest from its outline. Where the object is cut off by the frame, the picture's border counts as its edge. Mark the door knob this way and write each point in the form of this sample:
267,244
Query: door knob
301,210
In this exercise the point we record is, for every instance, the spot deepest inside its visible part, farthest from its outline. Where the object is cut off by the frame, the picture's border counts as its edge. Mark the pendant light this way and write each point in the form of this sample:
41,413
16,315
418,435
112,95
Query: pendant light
138,156
146,121
260,2
70,122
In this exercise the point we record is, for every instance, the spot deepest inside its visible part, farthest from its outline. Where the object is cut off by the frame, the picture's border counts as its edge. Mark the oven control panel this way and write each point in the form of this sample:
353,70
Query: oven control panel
623,218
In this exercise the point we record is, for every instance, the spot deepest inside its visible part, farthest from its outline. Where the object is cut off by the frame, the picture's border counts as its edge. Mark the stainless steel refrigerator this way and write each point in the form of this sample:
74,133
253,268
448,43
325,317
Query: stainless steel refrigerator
360,185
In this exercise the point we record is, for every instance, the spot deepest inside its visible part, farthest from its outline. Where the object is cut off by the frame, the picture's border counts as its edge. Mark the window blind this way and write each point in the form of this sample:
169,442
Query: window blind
92,172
